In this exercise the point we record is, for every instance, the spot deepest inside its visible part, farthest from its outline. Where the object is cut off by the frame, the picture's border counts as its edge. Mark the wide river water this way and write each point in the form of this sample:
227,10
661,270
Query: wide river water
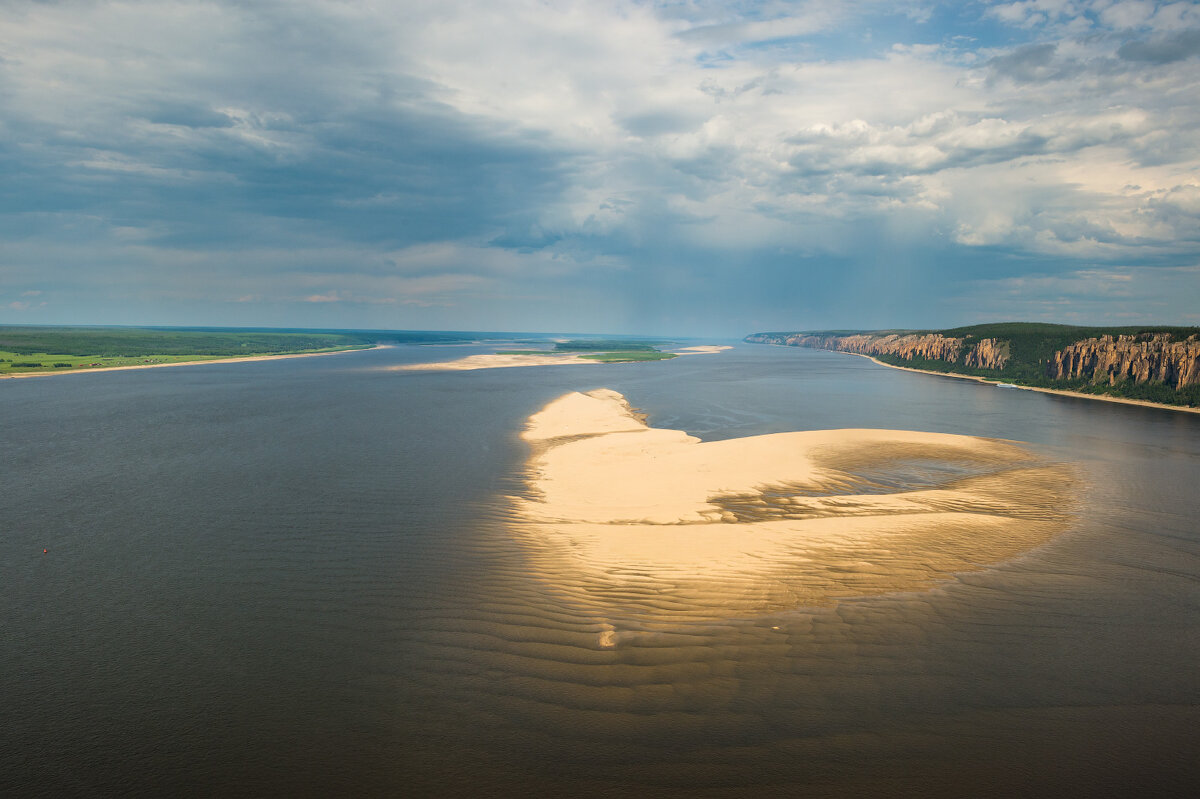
299,578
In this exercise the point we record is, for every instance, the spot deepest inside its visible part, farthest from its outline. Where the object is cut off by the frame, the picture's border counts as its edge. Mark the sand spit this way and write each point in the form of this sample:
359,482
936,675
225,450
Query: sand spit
704,349
535,358
497,361
237,359
656,525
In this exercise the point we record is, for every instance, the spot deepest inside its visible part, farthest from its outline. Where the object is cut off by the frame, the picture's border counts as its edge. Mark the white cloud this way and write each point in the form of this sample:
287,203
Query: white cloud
222,126
1128,14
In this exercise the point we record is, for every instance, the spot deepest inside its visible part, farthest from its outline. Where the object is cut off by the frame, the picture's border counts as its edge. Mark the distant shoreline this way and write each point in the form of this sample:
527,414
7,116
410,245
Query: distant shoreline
496,360
233,359
990,381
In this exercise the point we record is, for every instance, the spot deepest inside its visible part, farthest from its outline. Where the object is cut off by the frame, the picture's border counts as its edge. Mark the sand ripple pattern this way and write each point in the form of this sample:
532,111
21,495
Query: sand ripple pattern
644,526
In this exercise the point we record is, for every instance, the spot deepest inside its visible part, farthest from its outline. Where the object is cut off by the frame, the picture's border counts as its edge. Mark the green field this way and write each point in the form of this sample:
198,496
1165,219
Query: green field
617,356
603,350
630,356
63,349
607,345
591,345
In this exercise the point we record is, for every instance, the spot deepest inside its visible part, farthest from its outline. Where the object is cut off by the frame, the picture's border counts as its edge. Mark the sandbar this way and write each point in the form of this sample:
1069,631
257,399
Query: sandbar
234,359
703,349
534,358
498,361
656,524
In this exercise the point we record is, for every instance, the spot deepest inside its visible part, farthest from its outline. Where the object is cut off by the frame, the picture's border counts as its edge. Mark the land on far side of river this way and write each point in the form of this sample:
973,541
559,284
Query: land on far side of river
1155,365
27,351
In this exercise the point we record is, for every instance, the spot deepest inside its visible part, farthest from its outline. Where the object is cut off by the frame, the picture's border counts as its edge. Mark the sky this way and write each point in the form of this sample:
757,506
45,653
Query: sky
681,167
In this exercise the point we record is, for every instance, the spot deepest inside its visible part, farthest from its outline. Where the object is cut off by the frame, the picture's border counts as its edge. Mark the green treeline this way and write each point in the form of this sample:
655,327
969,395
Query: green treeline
603,350
605,345
630,356
45,349
143,342
1033,344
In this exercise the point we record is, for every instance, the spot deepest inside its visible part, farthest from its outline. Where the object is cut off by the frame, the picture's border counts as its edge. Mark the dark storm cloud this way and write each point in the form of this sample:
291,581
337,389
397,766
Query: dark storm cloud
477,162
1163,50
1034,62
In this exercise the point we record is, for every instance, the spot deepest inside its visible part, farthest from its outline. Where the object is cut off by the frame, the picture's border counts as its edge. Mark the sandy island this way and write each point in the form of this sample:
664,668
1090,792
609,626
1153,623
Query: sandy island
497,361
535,358
235,359
656,524
703,349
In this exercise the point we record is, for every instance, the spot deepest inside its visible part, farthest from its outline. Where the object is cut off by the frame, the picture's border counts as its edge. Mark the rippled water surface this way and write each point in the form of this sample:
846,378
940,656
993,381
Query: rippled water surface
299,578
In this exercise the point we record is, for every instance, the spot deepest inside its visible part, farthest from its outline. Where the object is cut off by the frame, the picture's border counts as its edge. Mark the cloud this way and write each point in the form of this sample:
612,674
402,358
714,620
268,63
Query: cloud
1029,64
1122,295
574,163
1164,49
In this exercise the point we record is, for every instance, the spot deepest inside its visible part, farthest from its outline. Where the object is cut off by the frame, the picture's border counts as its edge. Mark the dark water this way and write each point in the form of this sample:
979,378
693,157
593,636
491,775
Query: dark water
293,578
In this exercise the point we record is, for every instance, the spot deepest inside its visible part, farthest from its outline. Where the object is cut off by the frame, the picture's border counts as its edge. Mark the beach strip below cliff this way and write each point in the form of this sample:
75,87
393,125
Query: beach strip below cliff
1062,392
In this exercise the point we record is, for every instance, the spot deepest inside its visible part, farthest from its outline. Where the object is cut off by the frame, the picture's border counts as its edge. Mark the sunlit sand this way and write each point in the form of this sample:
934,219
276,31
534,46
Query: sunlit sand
654,523
506,361
704,349
497,361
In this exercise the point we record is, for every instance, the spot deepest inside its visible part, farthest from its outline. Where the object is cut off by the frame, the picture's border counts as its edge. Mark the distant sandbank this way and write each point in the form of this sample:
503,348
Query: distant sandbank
658,523
234,359
497,361
535,358
704,349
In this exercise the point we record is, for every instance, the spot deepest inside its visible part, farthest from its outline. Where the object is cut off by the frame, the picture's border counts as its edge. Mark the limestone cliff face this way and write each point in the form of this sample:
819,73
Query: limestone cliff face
989,353
1143,358
986,354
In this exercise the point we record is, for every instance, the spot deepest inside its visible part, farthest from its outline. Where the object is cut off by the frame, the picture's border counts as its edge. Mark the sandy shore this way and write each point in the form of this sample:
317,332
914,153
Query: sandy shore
703,349
638,518
991,381
190,363
498,361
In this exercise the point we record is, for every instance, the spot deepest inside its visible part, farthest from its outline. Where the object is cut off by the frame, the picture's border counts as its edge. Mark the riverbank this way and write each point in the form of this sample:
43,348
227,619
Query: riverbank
217,359
1039,389
496,361
509,360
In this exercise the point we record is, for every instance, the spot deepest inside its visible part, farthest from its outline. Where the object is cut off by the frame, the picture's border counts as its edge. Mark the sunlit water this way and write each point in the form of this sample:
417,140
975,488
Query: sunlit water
300,578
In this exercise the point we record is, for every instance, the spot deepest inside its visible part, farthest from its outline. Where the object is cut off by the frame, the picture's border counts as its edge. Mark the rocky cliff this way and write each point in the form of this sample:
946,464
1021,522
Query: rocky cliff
984,354
1143,358
988,353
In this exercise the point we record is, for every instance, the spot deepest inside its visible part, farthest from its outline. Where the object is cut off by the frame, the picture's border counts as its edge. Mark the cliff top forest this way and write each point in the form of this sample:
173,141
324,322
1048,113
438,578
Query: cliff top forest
1160,364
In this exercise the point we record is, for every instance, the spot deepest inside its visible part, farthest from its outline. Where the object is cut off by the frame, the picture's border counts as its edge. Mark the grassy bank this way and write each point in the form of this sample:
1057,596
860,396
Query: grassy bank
603,350
630,356
63,349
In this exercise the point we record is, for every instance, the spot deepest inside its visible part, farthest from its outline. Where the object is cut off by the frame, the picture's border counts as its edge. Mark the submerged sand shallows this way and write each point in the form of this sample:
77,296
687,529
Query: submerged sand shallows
659,524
